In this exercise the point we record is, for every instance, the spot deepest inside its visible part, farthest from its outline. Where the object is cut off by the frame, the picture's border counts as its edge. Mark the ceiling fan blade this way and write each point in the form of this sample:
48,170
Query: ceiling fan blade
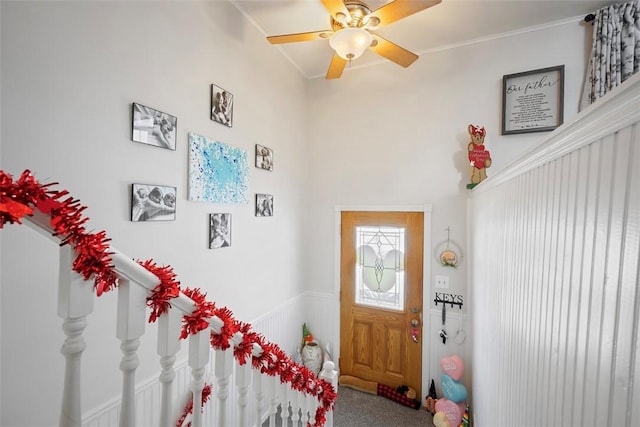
392,51
336,67
399,9
301,37
336,7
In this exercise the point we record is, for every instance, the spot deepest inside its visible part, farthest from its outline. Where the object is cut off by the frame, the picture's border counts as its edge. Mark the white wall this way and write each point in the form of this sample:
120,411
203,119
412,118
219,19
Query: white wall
70,71
394,136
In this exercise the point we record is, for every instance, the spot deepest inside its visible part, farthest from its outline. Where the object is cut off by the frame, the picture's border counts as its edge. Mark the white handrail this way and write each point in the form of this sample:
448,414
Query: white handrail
130,274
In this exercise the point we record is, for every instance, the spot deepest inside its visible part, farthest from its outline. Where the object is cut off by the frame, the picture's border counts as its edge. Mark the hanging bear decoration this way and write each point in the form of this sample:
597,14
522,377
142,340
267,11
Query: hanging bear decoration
479,157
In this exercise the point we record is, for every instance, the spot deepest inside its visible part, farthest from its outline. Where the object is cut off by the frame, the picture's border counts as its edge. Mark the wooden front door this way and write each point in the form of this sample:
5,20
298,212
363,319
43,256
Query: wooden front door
381,297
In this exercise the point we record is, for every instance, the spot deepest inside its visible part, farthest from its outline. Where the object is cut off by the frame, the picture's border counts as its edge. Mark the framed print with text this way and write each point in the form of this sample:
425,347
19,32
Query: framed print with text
533,101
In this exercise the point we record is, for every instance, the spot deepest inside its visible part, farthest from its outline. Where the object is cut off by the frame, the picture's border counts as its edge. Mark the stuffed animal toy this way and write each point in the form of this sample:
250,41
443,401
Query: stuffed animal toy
407,391
479,157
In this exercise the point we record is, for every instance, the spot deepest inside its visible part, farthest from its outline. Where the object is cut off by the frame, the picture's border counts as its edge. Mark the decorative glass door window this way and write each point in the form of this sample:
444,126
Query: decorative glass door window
380,267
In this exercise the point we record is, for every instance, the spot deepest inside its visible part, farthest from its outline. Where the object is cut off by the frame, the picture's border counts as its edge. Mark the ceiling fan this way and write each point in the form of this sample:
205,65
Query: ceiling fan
352,23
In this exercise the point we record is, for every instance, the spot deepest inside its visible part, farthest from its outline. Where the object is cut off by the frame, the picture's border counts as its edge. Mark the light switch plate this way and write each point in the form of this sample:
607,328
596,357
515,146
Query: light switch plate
442,282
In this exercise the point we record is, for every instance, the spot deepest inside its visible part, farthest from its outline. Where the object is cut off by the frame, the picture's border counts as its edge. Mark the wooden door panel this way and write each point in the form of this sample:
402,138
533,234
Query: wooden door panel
396,346
375,342
363,344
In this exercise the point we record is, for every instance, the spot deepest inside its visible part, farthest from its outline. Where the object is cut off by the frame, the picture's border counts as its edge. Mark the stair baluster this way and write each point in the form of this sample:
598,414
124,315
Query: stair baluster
257,381
273,400
311,406
130,327
168,345
223,370
243,381
284,402
198,358
75,302
292,397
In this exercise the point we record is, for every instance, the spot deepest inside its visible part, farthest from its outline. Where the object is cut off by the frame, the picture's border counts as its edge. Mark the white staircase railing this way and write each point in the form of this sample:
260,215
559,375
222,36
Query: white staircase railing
265,379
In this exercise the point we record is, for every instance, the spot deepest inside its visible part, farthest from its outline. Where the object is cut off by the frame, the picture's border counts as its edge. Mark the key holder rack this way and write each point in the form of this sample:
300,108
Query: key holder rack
452,299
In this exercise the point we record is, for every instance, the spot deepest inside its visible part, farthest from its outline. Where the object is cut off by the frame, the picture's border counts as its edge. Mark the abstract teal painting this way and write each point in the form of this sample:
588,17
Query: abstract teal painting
218,172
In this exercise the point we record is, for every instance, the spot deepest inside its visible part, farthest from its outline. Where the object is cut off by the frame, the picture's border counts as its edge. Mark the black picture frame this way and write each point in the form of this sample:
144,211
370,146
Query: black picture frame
219,230
264,205
533,101
153,127
151,202
264,157
221,106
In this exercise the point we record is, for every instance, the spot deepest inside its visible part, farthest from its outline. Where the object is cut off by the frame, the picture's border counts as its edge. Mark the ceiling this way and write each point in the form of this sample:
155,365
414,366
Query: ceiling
450,23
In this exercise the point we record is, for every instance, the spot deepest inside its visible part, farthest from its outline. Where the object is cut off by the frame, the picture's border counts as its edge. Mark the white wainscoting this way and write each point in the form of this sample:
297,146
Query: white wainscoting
555,241
322,313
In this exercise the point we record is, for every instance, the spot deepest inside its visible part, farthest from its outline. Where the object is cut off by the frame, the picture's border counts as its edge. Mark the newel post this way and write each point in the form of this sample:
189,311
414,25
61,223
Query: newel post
75,302
329,374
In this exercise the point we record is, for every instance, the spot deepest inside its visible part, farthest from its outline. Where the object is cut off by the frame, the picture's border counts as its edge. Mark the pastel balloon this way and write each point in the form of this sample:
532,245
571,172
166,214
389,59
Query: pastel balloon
440,420
452,410
453,366
452,389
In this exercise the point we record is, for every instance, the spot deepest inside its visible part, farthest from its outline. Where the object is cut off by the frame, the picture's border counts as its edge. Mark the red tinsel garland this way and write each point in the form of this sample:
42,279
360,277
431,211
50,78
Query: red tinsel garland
167,289
244,350
93,259
197,320
188,409
222,341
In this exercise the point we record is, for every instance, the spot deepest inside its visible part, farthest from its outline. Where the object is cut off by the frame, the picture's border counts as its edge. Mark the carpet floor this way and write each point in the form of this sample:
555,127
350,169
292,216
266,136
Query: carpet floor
358,409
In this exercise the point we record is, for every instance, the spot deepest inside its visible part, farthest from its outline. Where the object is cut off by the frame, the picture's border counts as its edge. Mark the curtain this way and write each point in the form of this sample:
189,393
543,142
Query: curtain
615,53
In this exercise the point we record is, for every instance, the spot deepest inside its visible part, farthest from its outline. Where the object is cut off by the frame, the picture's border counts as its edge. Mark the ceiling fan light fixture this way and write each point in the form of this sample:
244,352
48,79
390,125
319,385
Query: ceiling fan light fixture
371,23
351,42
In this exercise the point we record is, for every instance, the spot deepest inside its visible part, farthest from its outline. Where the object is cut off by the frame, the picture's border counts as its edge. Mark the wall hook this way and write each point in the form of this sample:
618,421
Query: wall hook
448,299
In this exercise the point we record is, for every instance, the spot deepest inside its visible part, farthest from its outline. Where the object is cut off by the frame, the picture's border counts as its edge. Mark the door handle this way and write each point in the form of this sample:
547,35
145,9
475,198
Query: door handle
417,311
415,324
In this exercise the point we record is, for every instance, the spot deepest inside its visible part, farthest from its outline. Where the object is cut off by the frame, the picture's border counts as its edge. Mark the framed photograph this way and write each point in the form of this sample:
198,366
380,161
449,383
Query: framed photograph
153,127
221,106
219,230
264,205
264,157
533,101
153,203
